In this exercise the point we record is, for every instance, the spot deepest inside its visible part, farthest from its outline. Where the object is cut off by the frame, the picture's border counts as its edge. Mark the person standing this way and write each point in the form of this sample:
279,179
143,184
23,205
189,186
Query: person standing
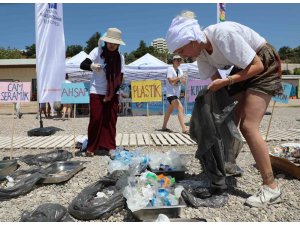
175,78
66,107
107,65
257,80
17,106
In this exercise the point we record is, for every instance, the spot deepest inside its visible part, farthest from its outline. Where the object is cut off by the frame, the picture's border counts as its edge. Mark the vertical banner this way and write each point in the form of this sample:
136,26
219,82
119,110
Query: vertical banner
50,51
221,9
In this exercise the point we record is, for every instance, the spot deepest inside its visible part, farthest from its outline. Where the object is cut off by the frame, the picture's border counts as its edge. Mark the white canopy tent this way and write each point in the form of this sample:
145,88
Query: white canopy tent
145,68
73,68
192,70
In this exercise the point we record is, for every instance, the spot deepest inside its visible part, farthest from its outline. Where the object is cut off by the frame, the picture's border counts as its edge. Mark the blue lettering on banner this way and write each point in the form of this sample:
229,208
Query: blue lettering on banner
52,5
75,93
51,16
196,89
284,98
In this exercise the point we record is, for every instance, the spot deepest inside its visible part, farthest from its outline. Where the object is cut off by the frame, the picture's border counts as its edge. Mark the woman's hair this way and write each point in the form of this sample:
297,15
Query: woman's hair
188,14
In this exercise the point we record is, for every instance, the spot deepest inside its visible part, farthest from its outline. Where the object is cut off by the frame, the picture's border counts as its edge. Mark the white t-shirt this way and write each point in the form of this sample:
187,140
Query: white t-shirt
173,90
232,43
98,83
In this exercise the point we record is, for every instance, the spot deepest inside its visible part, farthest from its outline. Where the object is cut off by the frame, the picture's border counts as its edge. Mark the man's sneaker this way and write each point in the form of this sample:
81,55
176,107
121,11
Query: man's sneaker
265,196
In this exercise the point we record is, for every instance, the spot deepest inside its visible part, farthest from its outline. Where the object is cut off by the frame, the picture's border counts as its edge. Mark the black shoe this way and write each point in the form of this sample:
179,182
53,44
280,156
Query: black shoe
202,193
217,190
102,152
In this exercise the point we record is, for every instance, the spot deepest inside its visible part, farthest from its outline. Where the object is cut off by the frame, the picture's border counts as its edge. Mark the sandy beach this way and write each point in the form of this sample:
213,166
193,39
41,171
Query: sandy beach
240,188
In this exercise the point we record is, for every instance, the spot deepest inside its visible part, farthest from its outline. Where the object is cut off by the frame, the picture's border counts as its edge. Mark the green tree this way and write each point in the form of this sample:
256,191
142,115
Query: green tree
297,71
129,58
290,55
73,50
10,53
30,51
92,42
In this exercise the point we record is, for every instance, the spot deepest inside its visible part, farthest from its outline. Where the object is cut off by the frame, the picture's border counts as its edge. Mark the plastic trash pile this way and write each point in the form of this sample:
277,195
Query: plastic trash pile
133,161
289,151
151,190
168,161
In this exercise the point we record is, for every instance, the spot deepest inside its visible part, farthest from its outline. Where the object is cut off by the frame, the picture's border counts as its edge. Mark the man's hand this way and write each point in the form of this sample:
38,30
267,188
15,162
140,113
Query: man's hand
217,84
96,67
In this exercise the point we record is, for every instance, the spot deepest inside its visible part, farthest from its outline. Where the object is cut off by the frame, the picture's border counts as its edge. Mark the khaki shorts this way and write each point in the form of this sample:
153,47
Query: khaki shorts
268,82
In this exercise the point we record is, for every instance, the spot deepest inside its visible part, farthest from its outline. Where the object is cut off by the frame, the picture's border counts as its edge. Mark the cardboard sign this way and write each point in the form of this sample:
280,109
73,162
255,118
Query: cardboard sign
75,93
146,91
15,91
195,86
284,98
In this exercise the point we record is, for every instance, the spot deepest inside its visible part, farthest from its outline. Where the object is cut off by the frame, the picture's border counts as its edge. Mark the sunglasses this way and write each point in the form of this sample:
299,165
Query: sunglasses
179,60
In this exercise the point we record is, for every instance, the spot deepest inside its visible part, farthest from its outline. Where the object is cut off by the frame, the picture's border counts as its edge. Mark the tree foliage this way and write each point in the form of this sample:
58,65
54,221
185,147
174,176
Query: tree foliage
73,50
297,71
10,53
290,55
144,49
92,42
30,51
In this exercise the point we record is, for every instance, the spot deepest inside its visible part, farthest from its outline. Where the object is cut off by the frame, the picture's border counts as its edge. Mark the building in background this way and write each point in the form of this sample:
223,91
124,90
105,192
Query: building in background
160,44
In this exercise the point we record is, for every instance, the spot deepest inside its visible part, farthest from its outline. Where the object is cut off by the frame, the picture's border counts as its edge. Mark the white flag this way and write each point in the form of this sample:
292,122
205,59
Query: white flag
50,51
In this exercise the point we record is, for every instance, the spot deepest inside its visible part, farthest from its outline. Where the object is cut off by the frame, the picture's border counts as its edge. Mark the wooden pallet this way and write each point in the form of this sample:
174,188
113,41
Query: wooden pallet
281,135
127,140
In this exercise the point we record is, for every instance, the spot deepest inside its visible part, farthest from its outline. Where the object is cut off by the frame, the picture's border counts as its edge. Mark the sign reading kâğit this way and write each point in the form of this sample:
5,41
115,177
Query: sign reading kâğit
195,86
146,91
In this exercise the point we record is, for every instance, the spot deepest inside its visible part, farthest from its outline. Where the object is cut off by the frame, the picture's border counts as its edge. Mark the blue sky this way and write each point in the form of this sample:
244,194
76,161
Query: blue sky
279,23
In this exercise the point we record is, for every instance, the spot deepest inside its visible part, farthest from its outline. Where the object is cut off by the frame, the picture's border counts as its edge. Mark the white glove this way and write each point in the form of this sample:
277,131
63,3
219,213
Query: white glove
96,67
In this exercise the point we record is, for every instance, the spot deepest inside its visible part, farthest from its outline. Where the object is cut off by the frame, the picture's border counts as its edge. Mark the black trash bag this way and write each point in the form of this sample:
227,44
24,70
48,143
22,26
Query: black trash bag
215,201
121,178
218,139
195,188
45,158
48,212
87,207
23,186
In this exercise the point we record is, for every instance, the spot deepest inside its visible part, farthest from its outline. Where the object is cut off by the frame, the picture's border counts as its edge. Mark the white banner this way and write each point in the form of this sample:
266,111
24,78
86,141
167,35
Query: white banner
50,51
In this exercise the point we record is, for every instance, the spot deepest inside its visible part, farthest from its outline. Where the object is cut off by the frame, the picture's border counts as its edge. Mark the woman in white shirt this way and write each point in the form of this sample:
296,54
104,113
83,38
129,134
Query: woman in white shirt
173,87
107,64
252,85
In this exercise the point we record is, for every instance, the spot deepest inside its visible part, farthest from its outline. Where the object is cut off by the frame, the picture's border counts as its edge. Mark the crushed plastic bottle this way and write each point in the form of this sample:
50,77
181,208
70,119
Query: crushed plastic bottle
11,181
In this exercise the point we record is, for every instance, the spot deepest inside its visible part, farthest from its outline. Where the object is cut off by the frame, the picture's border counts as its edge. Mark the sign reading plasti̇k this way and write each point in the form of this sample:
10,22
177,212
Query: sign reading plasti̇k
146,91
